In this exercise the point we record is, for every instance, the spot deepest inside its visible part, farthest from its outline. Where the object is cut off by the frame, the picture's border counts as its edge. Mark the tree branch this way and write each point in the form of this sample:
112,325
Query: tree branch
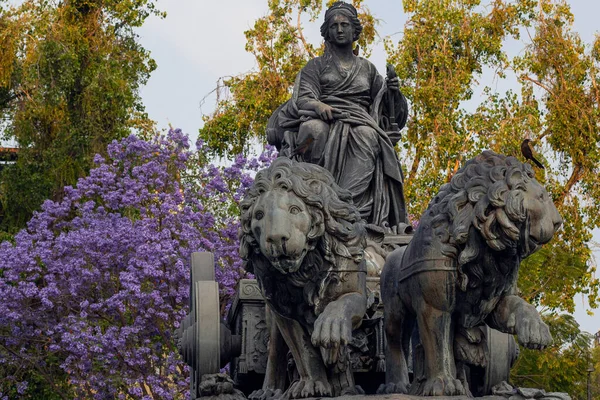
595,84
415,165
573,179
300,36
461,154
40,370
540,84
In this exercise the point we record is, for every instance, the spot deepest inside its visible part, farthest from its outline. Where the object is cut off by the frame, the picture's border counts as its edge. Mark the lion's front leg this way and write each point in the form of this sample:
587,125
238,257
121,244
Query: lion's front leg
275,375
333,327
332,333
515,316
313,375
436,330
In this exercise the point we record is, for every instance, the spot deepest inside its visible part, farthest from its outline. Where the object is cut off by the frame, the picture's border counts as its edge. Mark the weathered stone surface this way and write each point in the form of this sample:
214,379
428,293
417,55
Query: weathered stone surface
398,396
459,272
218,387
346,118
199,335
519,394
304,241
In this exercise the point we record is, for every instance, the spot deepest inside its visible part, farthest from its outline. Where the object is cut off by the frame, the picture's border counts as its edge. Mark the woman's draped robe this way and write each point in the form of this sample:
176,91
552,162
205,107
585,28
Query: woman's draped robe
361,160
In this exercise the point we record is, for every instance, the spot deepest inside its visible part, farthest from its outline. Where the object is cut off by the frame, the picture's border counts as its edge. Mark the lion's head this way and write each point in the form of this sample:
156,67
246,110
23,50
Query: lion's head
493,200
292,209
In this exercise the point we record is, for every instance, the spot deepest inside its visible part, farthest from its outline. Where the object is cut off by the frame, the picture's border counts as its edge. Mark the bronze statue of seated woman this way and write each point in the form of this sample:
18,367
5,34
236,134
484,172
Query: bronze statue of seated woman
346,118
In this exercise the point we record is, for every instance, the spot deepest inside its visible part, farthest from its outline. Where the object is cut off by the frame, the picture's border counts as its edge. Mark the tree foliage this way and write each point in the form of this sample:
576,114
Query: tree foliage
561,367
69,78
595,374
92,290
440,62
444,49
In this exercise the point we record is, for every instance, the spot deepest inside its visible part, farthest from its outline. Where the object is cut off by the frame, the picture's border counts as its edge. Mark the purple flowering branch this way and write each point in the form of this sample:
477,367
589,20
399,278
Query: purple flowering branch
91,291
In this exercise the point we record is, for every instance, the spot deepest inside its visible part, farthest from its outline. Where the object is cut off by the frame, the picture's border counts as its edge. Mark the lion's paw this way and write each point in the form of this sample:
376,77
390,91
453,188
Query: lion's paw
309,388
533,333
266,394
333,327
389,388
443,386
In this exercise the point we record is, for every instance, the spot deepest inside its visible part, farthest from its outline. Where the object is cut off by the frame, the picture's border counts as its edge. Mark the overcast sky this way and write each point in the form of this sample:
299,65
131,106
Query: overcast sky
201,41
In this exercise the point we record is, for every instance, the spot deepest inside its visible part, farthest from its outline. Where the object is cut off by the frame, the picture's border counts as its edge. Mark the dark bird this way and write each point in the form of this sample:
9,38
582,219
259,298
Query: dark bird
302,147
528,154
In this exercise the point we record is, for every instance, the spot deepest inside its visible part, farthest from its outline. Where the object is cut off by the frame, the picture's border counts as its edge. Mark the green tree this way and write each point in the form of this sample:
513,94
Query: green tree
563,366
595,374
70,73
445,48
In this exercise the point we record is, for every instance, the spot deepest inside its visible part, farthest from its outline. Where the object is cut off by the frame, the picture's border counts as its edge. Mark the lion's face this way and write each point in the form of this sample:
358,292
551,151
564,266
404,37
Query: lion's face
281,223
544,219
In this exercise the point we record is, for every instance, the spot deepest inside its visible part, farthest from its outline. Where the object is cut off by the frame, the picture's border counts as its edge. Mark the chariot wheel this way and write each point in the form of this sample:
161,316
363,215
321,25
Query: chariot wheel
501,352
200,331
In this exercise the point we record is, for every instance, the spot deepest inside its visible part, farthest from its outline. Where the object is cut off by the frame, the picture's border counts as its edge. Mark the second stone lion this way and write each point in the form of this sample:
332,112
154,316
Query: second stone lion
460,271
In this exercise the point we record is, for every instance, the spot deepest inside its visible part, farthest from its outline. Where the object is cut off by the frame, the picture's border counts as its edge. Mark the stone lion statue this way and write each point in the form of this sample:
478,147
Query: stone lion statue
304,240
460,271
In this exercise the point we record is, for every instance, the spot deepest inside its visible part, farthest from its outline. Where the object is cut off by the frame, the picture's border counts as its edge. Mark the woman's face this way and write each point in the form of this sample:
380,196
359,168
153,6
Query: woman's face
341,31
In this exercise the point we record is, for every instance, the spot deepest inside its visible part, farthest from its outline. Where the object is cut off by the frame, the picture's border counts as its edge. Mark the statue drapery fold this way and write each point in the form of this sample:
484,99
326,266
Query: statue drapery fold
356,149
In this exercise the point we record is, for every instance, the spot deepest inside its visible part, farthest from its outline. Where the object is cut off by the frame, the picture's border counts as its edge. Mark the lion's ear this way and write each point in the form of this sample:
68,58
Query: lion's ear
244,247
248,248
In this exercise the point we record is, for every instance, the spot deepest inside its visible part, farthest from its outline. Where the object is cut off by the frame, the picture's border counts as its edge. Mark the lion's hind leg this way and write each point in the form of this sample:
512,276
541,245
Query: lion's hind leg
398,325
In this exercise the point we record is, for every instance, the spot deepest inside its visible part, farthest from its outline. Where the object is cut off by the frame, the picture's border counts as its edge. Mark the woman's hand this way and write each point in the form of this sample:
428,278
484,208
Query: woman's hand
325,112
393,83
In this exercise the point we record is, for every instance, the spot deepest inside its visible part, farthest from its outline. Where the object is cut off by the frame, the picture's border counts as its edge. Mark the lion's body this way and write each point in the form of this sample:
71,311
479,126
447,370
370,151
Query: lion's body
304,296
304,240
460,269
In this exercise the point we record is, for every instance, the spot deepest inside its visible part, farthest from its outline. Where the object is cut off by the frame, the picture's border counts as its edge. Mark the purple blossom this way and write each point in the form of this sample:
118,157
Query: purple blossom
99,280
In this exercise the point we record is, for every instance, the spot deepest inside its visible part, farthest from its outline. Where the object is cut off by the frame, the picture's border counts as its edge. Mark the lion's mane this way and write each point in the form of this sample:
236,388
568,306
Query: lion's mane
337,228
483,204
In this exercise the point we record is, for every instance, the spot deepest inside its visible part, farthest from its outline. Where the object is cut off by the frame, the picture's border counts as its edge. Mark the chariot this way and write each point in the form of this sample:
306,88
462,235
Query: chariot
209,343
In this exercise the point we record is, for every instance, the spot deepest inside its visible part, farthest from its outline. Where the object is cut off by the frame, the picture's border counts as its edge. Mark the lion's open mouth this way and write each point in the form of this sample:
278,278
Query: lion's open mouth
288,263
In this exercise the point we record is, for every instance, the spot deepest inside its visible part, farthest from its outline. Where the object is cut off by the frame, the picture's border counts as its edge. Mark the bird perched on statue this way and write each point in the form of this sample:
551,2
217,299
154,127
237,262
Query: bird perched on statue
528,153
302,147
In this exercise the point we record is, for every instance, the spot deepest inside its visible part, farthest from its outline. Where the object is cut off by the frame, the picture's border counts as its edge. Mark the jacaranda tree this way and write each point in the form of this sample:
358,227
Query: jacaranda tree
92,289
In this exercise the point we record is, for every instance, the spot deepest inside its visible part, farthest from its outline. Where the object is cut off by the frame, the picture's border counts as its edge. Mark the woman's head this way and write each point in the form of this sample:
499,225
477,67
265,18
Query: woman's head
341,9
